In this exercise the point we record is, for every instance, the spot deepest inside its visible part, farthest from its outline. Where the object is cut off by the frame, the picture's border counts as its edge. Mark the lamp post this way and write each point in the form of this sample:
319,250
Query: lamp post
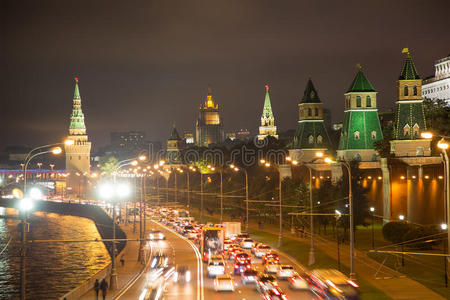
246,194
443,145
445,227
55,151
372,211
25,205
350,203
311,259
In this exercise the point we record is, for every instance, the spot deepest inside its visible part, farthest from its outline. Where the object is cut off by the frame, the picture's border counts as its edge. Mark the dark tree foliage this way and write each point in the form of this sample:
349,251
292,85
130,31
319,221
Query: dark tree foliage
437,114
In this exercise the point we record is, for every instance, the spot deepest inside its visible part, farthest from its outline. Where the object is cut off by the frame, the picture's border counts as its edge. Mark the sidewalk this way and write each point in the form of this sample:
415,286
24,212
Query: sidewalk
391,282
131,267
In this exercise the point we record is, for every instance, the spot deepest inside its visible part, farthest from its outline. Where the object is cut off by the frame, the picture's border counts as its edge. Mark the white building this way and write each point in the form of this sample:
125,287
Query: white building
438,87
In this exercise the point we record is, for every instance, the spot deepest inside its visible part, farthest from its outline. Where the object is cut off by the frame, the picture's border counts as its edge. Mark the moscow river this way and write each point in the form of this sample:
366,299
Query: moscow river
52,268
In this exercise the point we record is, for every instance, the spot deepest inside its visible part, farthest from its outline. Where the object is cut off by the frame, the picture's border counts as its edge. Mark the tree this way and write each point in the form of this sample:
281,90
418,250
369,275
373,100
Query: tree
108,164
437,114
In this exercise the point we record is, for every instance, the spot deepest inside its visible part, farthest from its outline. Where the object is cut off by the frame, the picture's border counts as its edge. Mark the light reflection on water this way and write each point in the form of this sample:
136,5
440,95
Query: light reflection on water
52,268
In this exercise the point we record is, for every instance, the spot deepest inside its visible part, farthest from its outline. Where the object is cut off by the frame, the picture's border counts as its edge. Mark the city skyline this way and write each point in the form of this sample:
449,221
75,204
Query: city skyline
140,91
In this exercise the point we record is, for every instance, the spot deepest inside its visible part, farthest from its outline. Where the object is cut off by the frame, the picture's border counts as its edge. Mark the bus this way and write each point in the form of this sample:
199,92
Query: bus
211,242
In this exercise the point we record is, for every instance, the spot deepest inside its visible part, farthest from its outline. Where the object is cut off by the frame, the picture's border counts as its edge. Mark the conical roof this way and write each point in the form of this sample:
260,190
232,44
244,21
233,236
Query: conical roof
409,71
310,95
76,94
360,83
267,104
77,116
174,136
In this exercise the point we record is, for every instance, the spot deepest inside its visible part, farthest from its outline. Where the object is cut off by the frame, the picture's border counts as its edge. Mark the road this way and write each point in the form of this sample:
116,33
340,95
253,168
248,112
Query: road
183,252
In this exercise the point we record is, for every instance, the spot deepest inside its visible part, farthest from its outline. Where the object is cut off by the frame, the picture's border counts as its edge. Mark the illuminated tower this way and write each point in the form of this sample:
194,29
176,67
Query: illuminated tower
410,118
311,135
173,155
267,119
77,155
209,128
361,126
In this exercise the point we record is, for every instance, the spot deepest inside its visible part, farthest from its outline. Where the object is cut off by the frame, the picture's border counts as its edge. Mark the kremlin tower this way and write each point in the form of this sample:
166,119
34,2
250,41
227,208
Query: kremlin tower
267,119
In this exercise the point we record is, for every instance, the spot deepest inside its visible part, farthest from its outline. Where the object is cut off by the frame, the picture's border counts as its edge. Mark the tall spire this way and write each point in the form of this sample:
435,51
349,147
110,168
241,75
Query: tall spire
77,126
174,136
409,71
267,110
310,95
209,103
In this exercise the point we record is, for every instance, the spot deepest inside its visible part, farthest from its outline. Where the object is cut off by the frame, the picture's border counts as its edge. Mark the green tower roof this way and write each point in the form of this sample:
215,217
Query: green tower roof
267,110
360,83
310,95
409,71
174,136
76,94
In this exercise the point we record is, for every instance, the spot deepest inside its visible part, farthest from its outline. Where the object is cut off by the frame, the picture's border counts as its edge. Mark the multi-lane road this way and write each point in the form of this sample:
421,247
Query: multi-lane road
183,252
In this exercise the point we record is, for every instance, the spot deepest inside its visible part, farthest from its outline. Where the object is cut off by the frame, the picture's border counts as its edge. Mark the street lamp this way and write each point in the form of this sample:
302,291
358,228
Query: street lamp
25,205
277,167
443,145
350,203
236,169
372,211
401,217
55,151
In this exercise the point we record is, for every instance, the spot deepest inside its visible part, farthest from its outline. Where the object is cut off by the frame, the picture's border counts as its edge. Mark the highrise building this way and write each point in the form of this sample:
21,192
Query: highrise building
361,127
267,119
209,127
311,135
438,86
78,155
410,116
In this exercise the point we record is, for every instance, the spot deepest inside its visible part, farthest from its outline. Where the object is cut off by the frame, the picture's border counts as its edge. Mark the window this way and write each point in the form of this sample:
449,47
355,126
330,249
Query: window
406,130
311,139
309,112
416,130
374,135
415,90
405,90
316,111
368,101
357,157
356,134
374,157
358,101
319,139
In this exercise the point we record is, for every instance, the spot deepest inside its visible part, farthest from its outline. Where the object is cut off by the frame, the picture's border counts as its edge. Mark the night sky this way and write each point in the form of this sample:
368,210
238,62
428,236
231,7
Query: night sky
144,65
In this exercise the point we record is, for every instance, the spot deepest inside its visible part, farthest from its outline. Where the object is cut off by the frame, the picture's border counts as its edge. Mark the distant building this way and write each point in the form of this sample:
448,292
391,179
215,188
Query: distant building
311,135
129,140
231,136
438,86
267,119
243,135
209,127
189,139
173,154
361,127
410,116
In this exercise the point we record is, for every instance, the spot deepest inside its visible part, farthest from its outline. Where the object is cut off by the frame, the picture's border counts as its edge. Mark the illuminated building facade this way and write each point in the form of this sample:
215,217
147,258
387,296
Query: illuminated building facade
438,86
209,127
173,154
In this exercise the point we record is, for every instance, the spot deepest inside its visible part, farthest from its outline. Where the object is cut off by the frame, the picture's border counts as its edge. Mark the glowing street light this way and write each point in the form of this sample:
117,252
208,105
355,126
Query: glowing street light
426,135
401,217
444,226
69,142
442,145
57,150
35,193
319,154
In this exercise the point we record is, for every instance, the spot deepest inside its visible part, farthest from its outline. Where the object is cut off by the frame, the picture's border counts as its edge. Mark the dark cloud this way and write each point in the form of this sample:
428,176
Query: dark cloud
143,65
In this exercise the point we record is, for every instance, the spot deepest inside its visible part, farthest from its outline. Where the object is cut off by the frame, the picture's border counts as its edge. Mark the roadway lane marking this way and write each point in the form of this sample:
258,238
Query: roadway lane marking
200,292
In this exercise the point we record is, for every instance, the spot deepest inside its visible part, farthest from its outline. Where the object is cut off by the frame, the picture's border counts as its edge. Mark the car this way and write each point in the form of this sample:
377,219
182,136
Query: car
223,283
192,234
159,261
265,281
274,294
334,284
156,235
261,250
247,243
241,236
188,228
300,281
240,267
232,253
269,256
271,266
285,271
216,267
249,276
182,275
227,244
243,257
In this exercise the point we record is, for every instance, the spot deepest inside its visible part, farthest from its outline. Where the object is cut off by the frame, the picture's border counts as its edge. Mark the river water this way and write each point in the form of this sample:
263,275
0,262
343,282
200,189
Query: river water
52,268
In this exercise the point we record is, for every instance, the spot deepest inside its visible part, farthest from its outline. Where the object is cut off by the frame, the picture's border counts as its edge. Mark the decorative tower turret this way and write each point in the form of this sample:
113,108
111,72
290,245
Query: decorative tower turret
361,128
174,147
311,135
267,119
410,117
209,128
78,155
